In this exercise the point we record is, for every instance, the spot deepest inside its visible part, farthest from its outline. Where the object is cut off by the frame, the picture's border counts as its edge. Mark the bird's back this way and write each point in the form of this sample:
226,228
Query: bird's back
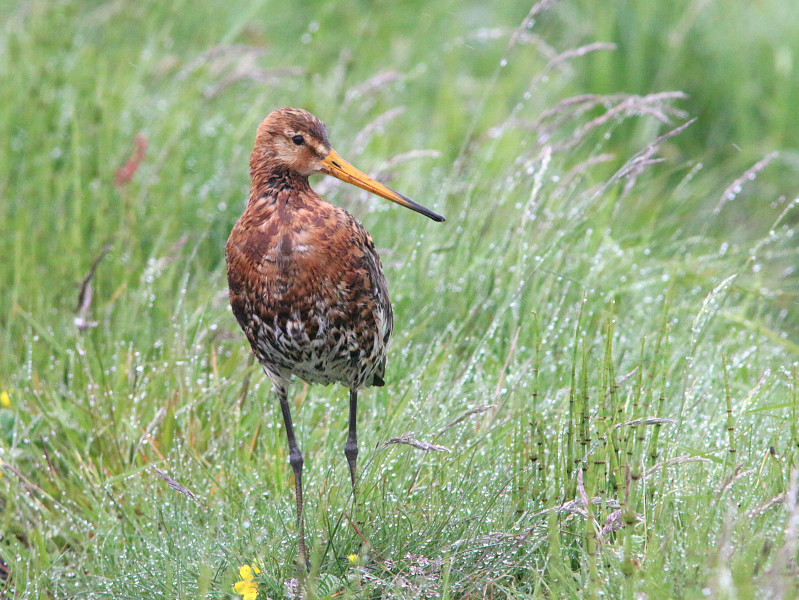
307,288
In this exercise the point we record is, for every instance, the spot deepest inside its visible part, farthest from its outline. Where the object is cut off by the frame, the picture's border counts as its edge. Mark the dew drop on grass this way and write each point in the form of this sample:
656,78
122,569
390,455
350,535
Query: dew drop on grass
503,63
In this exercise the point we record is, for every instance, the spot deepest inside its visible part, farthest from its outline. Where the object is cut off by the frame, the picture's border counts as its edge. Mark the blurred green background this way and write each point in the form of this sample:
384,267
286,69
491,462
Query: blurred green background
82,78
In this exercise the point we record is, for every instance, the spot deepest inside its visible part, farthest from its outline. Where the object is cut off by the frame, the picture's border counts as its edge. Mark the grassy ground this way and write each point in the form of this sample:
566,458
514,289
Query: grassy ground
604,343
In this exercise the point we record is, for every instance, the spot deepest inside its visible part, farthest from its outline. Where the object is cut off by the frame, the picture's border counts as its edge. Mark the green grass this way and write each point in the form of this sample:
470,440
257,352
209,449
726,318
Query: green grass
585,326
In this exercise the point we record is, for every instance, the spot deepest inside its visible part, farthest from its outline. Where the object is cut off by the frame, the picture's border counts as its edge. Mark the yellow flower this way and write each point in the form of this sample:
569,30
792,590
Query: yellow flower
247,587
353,558
5,399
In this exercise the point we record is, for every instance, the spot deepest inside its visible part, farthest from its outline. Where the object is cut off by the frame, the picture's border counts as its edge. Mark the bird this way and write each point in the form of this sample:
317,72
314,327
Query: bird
305,281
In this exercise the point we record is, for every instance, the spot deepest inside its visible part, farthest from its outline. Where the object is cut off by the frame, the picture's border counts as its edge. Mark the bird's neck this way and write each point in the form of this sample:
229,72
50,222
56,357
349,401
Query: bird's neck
274,181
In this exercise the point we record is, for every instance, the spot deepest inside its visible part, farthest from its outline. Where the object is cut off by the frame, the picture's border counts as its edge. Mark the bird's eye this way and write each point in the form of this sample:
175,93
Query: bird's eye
298,140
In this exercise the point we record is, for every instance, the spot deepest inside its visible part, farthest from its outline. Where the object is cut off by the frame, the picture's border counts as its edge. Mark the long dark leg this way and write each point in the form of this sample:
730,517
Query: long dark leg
295,460
351,446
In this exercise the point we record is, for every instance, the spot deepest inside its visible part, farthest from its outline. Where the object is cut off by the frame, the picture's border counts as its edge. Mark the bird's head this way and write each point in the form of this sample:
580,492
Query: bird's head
294,139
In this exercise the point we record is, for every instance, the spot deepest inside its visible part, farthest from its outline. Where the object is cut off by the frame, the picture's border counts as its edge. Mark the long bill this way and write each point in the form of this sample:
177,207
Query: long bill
334,165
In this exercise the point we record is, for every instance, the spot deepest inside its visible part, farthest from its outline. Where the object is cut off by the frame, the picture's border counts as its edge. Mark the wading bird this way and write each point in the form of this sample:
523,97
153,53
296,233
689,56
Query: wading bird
306,283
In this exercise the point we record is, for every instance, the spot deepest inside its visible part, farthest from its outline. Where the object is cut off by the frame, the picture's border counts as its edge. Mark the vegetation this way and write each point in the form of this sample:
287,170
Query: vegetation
593,388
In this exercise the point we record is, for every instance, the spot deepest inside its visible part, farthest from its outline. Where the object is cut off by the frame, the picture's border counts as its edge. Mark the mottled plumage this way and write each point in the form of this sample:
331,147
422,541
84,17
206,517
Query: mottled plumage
307,288
306,283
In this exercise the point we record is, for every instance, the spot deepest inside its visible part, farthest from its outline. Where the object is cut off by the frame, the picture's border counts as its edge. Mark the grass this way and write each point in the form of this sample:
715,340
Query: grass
609,361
